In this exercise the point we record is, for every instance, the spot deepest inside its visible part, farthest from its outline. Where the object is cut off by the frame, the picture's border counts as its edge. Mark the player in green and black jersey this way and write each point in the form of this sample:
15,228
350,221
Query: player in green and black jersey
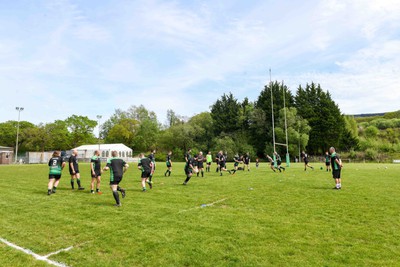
336,168
279,162
272,163
217,161
327,161
146,166
95,172
74,170
117,169
169,164
56,165
236,161
188,167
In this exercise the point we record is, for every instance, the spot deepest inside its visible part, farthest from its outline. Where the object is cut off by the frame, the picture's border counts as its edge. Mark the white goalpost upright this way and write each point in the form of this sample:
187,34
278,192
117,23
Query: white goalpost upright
273,124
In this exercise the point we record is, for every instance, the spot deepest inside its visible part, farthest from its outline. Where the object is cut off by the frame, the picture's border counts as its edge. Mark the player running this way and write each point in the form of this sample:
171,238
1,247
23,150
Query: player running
169,164
236,160
336,168
146,166
200,164
74,170
217,161
327,161
95,172
257,162
222,163
279,162
272,163
117,169
56,165
305,159
209,161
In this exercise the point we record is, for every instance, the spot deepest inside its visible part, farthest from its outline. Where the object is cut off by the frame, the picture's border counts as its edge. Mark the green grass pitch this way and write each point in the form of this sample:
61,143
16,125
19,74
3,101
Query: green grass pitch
256,218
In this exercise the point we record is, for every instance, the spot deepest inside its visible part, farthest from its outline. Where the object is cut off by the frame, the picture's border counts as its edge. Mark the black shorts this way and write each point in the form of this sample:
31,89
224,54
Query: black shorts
306,162
55,176
209,163
145,174
279,162
96,174
246,163
336,174
222,165
116,181
71,173
188,171
200,165
169,165
327,164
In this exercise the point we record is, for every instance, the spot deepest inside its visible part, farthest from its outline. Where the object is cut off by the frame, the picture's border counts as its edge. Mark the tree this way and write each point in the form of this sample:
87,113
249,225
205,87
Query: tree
81,130
322,114
204,130
123,132
225,114
8,133
173,118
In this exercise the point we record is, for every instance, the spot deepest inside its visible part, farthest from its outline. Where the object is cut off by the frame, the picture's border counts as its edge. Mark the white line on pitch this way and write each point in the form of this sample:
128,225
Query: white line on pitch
58,251
205,205
37,256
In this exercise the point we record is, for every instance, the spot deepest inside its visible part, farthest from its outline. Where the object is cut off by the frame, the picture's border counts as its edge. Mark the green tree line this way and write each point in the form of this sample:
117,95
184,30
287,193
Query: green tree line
314,123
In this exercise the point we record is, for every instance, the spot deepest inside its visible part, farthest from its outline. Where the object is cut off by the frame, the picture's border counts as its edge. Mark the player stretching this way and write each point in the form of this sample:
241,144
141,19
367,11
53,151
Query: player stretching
209,161
336,168
145,165
169,164
74,170
200,164
152,157
56,165
327,161
279,162
188,166
246,161
95,172
272,163
305,159
117,169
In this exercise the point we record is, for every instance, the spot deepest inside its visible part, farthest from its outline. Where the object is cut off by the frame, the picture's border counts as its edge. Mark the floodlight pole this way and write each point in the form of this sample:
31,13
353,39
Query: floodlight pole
98,121
19,109
272,111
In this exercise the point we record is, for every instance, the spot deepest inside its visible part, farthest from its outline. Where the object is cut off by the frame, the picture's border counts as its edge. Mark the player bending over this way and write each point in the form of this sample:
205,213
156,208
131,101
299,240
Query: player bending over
56,165
117,169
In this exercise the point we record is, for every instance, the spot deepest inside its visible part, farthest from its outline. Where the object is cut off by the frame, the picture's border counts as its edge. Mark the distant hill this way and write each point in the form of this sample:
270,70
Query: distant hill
369,115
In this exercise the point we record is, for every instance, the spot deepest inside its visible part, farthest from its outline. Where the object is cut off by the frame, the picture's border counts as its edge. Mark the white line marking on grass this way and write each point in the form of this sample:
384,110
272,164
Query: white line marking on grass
37,256
204,205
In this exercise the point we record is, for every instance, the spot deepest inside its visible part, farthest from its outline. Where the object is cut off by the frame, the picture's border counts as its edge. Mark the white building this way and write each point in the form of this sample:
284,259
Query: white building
87,151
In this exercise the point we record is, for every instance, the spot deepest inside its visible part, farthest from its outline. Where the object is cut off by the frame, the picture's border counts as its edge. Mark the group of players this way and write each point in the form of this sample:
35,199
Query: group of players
147,165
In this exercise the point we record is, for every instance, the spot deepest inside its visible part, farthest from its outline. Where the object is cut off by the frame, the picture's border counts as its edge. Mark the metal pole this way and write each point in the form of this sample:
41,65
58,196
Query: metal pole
272,109
98,120
19,109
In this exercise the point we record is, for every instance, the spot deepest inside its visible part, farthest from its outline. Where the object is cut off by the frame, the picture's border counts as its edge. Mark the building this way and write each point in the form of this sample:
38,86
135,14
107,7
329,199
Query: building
6,155
87,151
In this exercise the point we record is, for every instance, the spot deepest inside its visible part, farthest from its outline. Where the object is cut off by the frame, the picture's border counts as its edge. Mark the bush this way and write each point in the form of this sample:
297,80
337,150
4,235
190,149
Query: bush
371,154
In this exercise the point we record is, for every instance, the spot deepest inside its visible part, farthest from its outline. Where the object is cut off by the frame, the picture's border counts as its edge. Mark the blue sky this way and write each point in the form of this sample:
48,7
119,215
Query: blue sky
64,57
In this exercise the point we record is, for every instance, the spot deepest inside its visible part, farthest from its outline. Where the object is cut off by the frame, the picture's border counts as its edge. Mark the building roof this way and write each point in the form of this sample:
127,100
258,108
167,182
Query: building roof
117,147
6,148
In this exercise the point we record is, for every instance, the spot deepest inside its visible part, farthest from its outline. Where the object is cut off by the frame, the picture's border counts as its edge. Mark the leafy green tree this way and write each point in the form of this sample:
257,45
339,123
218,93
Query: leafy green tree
203,130
81,130
225,114
322,114
123,132
173,118
59,135
112,121
8,133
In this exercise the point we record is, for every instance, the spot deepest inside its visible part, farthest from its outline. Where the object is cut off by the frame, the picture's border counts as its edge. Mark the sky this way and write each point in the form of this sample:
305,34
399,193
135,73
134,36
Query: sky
65,57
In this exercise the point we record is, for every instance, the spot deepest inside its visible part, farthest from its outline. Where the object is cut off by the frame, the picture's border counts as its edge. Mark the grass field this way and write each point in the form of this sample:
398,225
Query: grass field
256,218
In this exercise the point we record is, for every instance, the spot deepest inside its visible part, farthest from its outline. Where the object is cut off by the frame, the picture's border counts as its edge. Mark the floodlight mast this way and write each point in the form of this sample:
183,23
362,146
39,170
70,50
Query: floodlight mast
98,120
19,109
286,133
